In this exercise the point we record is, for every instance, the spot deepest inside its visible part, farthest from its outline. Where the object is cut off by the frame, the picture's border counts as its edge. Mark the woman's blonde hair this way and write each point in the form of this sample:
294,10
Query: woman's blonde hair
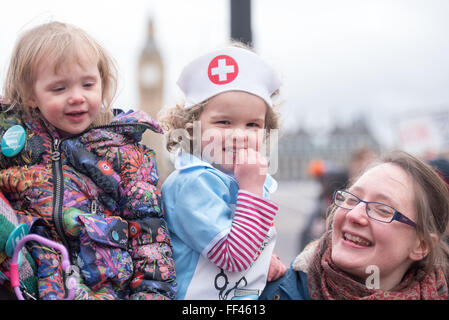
59,42
431,197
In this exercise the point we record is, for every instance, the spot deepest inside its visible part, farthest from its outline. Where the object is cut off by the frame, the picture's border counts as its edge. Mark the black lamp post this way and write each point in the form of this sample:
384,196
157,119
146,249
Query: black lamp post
241,21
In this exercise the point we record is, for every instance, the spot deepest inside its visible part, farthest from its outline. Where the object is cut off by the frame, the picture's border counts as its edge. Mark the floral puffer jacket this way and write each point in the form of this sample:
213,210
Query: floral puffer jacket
95,193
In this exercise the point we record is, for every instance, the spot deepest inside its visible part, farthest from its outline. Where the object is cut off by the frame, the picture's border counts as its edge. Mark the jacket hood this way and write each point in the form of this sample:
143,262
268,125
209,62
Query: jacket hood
302,261
126,127
135,117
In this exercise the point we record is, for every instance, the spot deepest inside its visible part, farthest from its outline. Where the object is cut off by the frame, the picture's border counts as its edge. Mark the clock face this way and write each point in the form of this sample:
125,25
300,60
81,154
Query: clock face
150,75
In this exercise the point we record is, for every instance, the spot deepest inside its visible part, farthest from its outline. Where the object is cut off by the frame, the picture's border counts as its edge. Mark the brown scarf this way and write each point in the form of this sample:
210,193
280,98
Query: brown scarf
327,282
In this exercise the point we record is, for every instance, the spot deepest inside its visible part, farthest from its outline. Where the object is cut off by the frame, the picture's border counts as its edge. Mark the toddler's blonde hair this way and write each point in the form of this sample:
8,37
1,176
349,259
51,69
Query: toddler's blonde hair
62,43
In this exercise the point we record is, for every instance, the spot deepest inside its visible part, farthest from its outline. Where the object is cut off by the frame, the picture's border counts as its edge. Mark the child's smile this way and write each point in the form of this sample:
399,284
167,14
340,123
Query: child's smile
69,98
359,241
230,122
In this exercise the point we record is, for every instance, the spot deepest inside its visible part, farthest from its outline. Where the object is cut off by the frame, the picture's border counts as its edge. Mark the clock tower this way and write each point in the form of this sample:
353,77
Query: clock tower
151,83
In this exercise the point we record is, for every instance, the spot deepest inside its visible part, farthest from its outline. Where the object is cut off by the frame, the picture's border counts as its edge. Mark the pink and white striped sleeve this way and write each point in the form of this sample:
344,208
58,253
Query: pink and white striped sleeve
253,218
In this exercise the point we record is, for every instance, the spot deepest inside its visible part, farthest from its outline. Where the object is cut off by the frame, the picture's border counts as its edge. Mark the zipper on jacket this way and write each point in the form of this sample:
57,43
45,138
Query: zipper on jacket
58,195
93,207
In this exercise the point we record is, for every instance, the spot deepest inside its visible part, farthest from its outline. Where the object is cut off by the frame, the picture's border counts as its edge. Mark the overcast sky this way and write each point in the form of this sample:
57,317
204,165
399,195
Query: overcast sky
336,58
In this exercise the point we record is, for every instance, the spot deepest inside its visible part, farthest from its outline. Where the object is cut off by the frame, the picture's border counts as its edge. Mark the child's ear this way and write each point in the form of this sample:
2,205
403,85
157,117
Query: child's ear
421,249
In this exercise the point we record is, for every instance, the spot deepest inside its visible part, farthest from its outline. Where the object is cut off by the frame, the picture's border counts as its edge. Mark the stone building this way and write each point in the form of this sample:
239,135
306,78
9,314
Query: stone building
296,150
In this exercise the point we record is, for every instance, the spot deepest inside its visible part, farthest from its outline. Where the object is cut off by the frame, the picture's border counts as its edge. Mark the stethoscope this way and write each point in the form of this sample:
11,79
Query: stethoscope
225,282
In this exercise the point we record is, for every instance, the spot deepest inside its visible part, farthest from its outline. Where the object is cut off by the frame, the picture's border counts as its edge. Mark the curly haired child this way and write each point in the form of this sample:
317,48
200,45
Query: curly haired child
218,212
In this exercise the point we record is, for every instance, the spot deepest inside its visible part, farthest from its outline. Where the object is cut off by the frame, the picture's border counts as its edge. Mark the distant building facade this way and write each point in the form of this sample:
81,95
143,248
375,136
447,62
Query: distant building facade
297,150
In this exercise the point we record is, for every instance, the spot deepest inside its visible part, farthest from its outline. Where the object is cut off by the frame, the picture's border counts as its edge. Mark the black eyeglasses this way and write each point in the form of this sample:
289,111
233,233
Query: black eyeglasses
375,210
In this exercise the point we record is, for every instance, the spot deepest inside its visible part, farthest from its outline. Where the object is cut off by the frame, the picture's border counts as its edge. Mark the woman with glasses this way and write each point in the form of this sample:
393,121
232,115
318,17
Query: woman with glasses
385,239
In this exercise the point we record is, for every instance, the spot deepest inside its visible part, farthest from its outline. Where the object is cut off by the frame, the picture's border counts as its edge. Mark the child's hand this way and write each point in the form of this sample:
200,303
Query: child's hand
250,170
277,268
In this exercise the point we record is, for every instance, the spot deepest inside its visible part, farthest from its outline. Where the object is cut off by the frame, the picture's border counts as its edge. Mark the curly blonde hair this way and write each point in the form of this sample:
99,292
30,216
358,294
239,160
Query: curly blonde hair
60,42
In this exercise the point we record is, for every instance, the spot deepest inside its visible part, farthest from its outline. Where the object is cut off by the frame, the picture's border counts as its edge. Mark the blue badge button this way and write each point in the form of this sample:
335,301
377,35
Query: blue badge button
14,237
115,235
13,141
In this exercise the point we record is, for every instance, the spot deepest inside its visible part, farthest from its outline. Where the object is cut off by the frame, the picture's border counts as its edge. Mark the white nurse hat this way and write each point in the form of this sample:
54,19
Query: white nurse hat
229,69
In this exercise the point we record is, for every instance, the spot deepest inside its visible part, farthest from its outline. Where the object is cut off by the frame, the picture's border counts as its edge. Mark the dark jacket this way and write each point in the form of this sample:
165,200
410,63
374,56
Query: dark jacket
291,286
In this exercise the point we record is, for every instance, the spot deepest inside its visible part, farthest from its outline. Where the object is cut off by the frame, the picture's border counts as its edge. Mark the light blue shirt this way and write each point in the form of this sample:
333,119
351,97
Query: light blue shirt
199,202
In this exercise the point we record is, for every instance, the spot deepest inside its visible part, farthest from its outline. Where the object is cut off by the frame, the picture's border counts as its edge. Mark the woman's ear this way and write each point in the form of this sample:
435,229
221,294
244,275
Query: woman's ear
421,249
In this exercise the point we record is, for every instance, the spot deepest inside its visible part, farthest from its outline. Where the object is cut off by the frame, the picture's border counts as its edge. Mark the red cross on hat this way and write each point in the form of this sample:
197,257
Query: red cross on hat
222,69
228,69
